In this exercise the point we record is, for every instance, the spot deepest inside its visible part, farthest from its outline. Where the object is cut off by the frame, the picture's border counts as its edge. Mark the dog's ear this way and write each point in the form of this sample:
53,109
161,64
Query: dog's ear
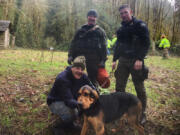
95,94
80,90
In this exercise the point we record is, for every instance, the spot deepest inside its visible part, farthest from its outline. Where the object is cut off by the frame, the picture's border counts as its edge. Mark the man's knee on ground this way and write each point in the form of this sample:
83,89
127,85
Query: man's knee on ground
65,113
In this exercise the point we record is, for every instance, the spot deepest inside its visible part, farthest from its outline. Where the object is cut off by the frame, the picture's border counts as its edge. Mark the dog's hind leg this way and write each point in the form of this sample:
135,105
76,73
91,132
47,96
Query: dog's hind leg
139,128
85,126
121,126
134,115
134,122
137,124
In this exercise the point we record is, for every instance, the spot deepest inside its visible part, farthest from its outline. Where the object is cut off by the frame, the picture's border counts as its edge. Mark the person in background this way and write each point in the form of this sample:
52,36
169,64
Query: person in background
131,48
108,46
113,42
165,45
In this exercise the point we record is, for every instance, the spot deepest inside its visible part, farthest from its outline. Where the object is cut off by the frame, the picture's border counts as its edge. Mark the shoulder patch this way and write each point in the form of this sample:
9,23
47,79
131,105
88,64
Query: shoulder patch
142,24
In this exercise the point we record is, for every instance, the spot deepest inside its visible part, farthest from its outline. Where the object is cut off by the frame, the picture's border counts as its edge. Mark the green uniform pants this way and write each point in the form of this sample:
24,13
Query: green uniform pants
124,69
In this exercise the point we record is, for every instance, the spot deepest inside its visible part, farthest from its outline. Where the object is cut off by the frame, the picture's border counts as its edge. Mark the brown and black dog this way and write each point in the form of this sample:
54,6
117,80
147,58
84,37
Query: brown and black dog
98,110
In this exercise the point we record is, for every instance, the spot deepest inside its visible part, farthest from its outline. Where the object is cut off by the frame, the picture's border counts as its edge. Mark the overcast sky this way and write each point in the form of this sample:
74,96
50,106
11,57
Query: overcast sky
171,1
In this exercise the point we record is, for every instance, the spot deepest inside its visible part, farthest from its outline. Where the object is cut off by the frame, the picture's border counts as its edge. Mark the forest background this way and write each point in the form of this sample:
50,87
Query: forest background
41,24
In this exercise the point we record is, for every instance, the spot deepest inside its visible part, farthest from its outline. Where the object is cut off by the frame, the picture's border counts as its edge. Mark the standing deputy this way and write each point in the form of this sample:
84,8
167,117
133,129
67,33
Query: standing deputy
131,48
90,41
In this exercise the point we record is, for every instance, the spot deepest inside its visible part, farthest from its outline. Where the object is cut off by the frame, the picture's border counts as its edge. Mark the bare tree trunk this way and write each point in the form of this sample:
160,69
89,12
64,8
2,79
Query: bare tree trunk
75,15
133,6
16,16
160,19
147,14
173,29
13,41
4,6
6,10
138,6
154,19
153,47
89,3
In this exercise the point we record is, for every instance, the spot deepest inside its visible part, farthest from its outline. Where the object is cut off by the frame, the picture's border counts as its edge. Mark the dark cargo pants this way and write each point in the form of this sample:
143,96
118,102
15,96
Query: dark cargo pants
124,68
92,65
66,114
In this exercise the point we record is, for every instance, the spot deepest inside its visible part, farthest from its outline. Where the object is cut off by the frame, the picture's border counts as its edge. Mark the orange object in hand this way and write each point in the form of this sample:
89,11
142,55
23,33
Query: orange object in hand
103,78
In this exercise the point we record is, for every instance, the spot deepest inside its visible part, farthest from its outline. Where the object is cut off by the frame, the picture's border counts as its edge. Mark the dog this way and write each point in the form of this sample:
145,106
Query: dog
98,110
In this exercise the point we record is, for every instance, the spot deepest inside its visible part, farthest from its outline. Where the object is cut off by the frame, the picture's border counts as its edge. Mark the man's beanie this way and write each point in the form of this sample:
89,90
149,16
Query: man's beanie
79,61
92,12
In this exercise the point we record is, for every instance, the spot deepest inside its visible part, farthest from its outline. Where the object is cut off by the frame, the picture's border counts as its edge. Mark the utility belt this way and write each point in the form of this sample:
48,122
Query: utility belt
86,51
143,75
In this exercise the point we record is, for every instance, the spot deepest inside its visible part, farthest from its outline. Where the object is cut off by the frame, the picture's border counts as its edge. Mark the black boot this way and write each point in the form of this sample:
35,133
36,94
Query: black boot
143,118
58,130
73,127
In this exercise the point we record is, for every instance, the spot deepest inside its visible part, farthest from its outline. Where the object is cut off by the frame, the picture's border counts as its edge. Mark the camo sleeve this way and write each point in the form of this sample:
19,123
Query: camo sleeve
103,49
72,45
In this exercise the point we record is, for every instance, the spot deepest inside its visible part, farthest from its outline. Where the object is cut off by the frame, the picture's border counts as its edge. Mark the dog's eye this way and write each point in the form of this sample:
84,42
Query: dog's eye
86,94
92,96
79,94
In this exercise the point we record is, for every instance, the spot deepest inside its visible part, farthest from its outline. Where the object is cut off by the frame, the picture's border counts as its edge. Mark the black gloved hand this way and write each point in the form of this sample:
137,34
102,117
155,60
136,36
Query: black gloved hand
102,64
70,59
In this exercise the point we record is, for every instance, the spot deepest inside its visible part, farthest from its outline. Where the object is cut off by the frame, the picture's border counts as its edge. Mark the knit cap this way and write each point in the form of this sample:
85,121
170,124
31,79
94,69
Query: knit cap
92,12
79,61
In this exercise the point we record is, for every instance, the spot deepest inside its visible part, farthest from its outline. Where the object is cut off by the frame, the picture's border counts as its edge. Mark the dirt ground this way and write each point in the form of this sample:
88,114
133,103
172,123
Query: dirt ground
24,110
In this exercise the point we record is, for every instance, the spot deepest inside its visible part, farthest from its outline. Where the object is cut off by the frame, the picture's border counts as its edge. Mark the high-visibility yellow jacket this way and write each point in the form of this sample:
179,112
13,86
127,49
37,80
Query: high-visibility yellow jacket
113,41
164,43
109,43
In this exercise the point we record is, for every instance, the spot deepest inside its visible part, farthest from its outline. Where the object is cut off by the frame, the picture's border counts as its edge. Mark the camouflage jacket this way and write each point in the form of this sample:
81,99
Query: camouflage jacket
89,40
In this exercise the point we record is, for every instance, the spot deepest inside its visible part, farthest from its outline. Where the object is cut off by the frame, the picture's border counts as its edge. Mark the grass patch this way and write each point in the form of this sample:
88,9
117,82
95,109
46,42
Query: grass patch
26,76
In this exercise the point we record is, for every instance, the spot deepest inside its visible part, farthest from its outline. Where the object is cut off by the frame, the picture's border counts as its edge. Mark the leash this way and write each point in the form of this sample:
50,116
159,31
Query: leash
94,87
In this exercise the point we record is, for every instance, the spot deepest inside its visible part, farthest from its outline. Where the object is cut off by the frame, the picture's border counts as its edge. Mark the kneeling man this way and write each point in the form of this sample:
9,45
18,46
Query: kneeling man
62,99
